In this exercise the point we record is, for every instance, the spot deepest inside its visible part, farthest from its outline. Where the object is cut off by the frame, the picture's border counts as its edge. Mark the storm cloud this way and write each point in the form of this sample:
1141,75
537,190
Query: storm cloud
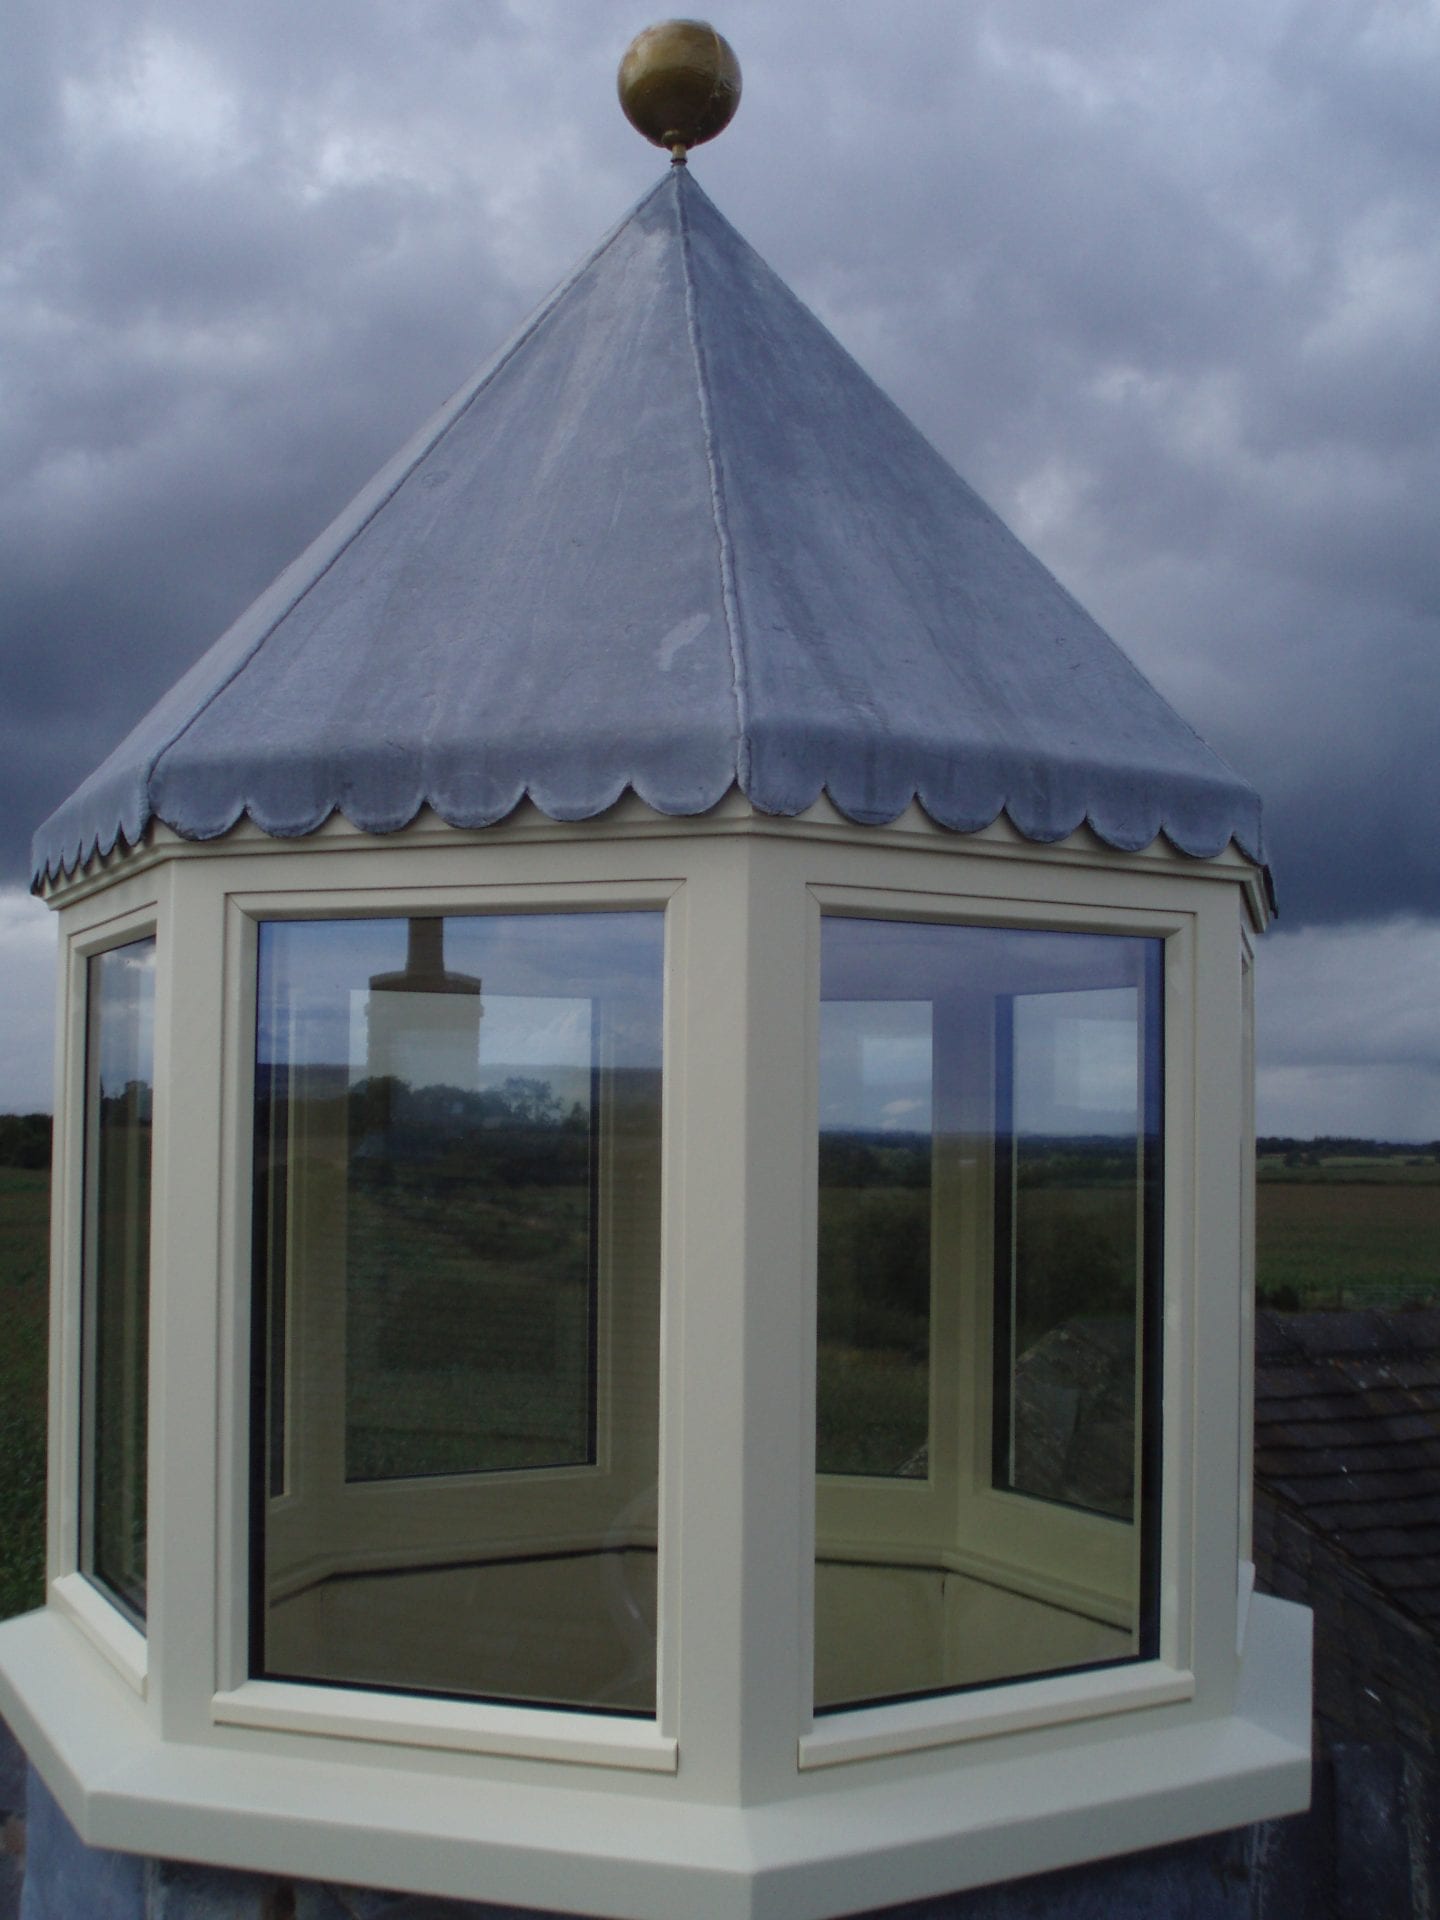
1161,281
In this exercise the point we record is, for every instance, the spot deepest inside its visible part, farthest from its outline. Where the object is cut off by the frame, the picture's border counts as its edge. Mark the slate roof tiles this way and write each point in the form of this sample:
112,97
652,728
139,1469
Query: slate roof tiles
1347,1437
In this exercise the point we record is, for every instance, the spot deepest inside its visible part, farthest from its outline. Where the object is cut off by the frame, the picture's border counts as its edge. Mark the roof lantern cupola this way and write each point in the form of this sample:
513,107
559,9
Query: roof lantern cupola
652,1273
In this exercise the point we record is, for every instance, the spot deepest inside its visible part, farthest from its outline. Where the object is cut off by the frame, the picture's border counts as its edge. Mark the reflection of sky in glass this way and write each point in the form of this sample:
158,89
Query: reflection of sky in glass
917,960
126,984
1077,1059
1076,999
875,1065
533,968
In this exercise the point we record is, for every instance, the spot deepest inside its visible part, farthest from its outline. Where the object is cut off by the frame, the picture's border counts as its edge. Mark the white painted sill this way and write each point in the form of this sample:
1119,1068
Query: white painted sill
461,1726
105,1627
869,1733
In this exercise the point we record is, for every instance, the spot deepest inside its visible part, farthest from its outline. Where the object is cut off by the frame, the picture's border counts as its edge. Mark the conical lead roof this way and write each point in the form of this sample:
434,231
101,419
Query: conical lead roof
670,540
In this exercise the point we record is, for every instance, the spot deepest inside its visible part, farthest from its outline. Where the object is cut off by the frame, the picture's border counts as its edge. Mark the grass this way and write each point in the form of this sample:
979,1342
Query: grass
24,1307
1346,1230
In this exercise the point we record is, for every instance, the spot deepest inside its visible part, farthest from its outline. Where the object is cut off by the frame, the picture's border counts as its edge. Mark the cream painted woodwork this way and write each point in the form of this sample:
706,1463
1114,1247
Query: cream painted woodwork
734,1800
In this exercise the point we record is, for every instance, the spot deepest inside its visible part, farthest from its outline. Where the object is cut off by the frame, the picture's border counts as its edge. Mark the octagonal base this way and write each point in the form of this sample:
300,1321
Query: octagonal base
550,1838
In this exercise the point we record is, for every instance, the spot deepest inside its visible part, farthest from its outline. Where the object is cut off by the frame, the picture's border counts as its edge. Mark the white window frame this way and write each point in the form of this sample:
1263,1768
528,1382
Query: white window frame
336,1522
240,1700
115,920
839,1736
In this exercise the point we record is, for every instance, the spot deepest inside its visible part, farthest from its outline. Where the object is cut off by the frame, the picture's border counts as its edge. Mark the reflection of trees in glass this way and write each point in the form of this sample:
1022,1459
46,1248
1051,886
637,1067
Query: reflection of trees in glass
469,1273
874,1303
389,1116
1075,1322
131,1107
1074,1233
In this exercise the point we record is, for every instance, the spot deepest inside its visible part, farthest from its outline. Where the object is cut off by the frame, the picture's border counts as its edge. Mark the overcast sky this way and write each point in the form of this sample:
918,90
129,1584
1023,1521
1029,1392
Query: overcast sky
1161,280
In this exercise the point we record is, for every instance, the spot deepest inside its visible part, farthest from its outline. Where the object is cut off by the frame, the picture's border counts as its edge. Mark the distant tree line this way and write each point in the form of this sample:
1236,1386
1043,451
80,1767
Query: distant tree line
519,1134
847,1159
24,1139
1099,1161
851,1158
433,1115
1329,1146
855,1157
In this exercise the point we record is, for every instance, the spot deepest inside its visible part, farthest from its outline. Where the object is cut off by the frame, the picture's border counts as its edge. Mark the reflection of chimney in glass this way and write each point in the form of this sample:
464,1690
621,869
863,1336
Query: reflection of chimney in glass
424,1022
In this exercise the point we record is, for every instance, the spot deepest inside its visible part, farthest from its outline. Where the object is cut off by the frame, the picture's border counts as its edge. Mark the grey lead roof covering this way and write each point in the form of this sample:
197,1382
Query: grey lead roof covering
671,539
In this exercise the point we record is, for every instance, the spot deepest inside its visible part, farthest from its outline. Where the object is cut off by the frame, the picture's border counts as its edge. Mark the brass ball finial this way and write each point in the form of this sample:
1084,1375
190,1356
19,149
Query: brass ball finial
679,84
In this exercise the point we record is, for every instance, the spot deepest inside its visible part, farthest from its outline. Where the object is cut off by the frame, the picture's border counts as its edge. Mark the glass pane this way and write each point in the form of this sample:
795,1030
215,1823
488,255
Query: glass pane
120,1052
1070,1232
994,1095
471,1296
873,1382
457,1151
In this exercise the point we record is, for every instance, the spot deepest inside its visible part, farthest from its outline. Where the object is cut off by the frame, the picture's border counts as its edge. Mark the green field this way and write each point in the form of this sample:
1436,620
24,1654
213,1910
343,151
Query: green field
1335,1231
1348,1231
24,1230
